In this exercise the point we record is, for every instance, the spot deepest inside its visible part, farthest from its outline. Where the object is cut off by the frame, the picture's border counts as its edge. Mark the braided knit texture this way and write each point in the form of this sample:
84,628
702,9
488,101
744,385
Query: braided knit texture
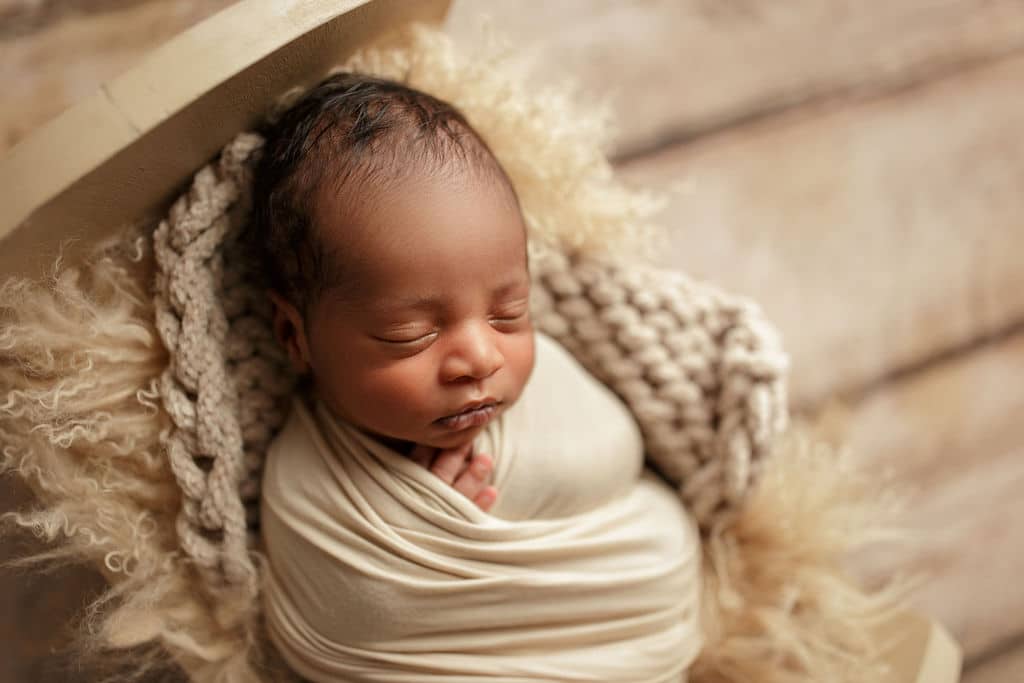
224,384
701,370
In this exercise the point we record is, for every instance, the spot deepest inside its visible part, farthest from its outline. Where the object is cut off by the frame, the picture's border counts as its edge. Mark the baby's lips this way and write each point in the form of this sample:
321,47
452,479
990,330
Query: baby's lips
475,417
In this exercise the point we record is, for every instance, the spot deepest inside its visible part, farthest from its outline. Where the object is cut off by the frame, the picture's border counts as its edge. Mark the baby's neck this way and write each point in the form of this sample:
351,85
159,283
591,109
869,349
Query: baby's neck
397,445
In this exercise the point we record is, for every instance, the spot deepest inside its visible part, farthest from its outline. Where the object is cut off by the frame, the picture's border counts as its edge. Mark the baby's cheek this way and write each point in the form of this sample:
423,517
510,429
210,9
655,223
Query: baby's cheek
406,387
520,359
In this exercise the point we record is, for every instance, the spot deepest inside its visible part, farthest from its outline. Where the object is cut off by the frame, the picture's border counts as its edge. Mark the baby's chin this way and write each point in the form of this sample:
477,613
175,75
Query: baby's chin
406,443
454,440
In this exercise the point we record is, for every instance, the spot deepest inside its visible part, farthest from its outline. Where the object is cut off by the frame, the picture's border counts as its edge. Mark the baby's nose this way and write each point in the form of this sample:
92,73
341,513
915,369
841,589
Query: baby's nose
475,356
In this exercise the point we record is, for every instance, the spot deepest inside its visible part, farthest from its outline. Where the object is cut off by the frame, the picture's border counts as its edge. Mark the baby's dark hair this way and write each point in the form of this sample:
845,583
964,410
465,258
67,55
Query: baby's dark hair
362,135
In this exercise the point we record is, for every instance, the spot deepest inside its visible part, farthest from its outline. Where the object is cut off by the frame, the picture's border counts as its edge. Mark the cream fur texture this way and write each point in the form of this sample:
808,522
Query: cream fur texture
80,359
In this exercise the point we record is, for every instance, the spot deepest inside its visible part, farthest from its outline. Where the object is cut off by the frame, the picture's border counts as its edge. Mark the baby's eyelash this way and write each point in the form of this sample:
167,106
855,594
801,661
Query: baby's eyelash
510,318
406,342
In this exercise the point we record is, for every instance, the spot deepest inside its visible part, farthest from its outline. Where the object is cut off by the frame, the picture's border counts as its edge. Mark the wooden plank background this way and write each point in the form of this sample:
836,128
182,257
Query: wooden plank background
857,167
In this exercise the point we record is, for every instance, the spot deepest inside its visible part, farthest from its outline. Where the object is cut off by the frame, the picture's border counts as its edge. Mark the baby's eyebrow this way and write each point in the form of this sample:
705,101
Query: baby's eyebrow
518,282
416,302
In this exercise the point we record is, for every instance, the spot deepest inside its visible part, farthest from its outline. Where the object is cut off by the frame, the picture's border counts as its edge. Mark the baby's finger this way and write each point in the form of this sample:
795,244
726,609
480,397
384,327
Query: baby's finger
485,499
422,455
449,463
474,479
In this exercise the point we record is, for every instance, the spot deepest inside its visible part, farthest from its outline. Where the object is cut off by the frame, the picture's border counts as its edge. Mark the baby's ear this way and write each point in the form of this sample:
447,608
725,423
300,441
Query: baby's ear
290,331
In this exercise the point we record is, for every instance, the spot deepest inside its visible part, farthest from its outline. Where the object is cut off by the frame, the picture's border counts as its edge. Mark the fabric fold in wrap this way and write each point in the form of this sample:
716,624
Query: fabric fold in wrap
586,568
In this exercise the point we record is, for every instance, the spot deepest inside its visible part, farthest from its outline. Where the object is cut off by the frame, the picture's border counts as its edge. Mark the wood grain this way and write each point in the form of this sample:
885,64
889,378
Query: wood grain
19,17
693,74
952,436
46,71
945,420
676,69
973,553
1007,667
876,236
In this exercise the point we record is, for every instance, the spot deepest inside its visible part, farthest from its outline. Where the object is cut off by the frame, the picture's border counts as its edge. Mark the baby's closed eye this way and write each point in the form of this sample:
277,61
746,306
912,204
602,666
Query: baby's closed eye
406,338
512,314
407,334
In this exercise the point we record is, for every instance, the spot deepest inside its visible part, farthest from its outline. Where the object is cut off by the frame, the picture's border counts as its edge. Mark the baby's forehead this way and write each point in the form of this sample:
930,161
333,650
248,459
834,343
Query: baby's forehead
420,240
353,216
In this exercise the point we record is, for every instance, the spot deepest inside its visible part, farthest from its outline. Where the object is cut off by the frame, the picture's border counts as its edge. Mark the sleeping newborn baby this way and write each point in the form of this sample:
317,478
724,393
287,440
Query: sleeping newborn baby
453,498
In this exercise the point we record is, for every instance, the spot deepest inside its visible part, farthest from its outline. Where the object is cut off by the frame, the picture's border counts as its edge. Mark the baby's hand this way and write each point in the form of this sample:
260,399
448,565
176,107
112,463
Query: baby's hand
468,473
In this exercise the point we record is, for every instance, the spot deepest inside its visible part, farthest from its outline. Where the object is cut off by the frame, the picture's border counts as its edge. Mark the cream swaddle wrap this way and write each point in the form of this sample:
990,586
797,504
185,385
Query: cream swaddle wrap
586,568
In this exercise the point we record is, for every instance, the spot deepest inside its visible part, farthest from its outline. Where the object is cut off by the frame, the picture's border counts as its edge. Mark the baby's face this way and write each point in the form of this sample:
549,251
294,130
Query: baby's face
435,338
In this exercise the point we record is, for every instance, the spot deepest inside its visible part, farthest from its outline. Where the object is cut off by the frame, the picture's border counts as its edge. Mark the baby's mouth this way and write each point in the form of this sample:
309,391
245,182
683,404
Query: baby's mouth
473,416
